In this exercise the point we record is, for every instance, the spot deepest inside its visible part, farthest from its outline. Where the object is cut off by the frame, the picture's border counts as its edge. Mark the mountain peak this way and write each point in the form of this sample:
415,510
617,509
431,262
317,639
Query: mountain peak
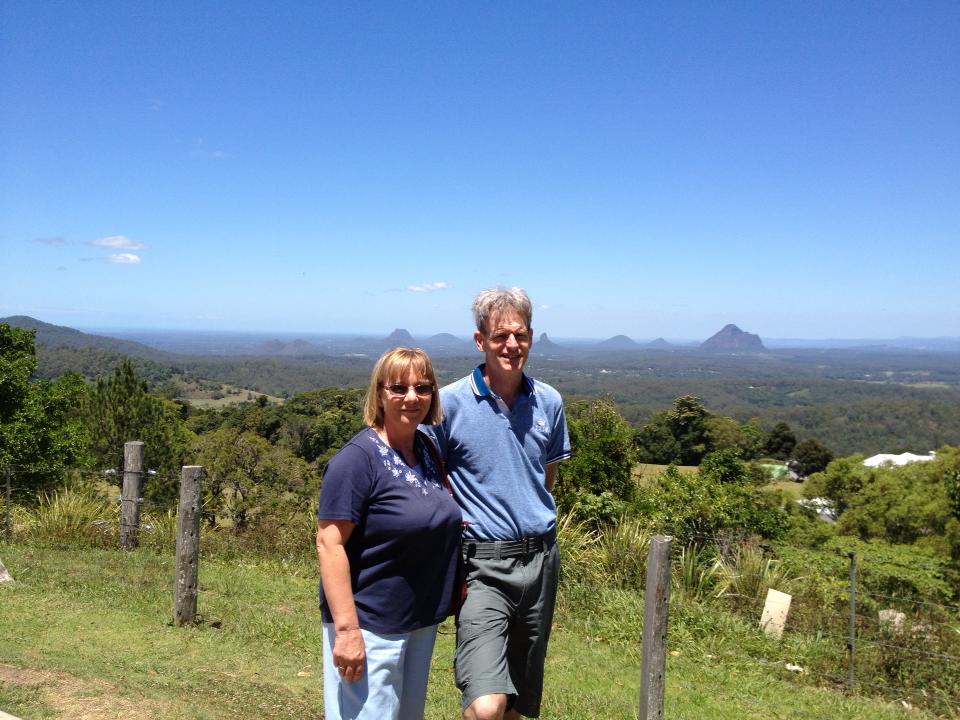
618,342
400,337
732,339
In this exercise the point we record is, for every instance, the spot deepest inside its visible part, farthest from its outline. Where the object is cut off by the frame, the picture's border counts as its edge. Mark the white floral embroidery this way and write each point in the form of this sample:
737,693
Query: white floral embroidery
397,467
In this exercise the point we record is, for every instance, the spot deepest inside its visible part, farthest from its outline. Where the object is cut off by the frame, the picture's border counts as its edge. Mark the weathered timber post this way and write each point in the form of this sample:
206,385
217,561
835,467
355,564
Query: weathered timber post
130,495
852,638
656,610
8,528
188,547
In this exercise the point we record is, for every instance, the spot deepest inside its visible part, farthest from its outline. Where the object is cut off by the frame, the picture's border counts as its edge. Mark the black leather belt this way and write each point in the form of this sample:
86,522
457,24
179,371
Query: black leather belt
499,549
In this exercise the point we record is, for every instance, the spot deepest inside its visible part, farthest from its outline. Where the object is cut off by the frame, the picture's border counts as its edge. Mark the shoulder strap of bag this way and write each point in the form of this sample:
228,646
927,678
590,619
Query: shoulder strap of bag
435,456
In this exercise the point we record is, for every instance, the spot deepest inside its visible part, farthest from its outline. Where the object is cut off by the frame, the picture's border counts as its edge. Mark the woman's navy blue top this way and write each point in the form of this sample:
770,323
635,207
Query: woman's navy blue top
404,546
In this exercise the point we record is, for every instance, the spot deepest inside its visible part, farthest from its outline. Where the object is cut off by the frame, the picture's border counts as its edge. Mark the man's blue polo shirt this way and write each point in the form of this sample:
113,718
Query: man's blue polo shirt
496,457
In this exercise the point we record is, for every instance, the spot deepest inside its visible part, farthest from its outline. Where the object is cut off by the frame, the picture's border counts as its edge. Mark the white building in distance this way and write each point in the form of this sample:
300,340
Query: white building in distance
901,459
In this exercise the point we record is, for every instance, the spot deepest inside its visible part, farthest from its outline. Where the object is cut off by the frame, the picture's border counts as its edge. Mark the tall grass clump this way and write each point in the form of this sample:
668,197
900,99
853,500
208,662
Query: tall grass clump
622,552
745,572
577,543
694,574
290,537
72,517
158,531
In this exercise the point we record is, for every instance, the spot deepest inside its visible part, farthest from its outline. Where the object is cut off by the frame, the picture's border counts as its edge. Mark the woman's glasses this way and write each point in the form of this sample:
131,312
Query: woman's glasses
399,390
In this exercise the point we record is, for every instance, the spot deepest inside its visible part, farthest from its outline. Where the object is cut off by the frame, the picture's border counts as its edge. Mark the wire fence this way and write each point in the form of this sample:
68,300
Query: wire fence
902,647
25,484
850,626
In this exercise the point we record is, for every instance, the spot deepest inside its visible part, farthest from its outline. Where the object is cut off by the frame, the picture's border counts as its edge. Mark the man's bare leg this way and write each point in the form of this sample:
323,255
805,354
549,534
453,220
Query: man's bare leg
490,707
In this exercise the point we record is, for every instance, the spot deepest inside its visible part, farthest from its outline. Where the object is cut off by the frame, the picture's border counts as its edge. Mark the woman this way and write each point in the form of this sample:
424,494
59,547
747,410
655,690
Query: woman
388,538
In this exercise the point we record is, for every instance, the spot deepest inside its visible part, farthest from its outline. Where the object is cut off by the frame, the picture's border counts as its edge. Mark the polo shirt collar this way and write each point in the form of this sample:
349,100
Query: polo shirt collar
481,389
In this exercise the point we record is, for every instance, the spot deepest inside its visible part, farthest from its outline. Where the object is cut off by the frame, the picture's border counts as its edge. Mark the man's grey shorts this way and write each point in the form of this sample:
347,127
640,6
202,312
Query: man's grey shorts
504,627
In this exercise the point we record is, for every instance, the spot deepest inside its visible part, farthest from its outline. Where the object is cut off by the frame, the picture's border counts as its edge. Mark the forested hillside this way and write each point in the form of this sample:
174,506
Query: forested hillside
855,400
737,532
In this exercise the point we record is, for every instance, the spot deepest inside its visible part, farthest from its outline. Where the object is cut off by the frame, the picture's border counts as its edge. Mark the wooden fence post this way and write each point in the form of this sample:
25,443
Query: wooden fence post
852,631
188,547
656,609
8,527
130,496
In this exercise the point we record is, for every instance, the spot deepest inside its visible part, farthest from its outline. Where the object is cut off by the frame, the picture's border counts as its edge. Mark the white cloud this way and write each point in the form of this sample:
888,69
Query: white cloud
544,307
428,287
118,241
124,259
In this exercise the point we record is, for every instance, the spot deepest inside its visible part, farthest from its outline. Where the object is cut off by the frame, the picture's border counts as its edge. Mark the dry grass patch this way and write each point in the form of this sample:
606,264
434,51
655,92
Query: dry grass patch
73,698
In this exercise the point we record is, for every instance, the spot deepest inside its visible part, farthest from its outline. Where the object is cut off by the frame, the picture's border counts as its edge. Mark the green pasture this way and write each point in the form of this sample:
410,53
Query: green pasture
87,634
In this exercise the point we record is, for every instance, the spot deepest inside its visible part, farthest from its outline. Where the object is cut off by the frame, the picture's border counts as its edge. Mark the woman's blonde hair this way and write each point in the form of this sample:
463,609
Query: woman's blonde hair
393,366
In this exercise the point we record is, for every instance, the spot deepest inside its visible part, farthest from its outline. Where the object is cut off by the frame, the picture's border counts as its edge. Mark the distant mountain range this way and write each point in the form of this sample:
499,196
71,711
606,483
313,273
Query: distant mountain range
162,345
61,336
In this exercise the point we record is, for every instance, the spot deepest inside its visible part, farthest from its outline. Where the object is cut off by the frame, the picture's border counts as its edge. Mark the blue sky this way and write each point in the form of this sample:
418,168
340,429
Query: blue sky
640,168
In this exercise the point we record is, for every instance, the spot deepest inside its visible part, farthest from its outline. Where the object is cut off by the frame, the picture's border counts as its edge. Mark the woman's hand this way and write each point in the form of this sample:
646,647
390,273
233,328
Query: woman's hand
349,654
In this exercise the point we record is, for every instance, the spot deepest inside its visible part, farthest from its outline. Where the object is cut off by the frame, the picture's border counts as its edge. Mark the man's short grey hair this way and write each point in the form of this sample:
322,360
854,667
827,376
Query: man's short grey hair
497,300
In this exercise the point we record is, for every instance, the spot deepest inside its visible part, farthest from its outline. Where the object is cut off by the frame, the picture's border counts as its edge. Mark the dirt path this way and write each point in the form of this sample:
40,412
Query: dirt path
77,699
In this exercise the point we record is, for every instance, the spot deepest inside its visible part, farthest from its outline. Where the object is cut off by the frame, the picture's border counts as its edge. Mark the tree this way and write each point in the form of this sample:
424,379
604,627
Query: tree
687,422
723,432
780,441
656,444
901,504
597,479
677,435
697,507
724,466
40,433
809,457
246,478
753,439
839,482
119,409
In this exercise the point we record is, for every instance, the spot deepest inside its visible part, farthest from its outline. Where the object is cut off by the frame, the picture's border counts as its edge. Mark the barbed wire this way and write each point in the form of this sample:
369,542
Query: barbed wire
925,603
950,701
870,622
920,695
863,643
823,680
874,560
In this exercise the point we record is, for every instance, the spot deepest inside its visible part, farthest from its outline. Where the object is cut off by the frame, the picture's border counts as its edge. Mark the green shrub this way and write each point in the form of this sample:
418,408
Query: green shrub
596,482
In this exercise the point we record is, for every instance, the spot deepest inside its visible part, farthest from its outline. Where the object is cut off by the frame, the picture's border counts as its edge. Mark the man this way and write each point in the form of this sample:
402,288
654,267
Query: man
502,436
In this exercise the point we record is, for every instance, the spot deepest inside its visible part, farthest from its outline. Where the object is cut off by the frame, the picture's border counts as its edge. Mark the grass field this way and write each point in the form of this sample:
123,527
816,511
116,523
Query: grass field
223,396
86,634
643,472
